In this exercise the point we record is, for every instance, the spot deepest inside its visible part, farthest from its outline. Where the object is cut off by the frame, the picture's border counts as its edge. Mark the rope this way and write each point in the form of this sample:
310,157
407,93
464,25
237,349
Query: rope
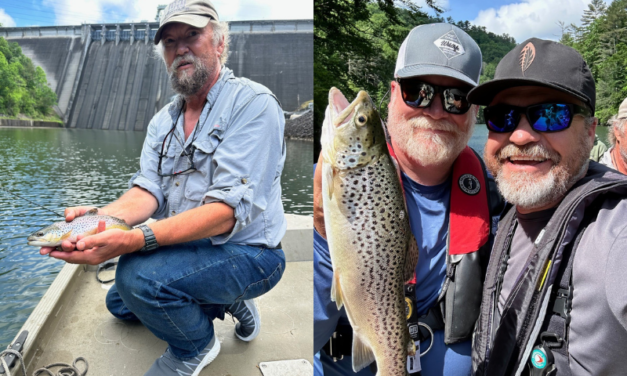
6,366
65,370
105,266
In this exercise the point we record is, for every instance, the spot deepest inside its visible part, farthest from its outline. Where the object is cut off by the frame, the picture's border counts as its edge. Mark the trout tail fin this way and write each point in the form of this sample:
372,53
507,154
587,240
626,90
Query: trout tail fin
362,354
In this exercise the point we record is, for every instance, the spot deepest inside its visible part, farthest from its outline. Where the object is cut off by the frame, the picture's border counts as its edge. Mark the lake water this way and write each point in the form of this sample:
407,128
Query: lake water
58,168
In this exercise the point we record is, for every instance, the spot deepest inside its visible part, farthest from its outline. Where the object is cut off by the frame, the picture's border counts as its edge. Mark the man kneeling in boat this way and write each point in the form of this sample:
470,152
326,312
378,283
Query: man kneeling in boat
210,171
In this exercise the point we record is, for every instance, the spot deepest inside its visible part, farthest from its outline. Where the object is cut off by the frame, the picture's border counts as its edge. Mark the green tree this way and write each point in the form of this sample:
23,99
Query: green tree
348,38
596,8
602,41
23,87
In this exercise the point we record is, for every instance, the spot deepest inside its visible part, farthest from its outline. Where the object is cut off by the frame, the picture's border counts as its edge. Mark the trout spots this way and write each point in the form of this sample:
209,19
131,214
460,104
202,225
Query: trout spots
372,203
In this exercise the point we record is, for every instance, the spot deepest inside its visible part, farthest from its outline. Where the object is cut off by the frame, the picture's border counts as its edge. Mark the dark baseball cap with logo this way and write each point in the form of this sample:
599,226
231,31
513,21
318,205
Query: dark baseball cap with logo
195,13
538,62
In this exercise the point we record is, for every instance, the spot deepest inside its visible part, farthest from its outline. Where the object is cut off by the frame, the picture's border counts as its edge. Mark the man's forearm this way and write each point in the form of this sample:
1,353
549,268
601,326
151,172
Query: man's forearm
135,206
199,223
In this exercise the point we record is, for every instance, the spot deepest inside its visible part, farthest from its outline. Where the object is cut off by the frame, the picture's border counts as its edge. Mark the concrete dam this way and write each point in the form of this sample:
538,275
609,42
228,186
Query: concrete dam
108,77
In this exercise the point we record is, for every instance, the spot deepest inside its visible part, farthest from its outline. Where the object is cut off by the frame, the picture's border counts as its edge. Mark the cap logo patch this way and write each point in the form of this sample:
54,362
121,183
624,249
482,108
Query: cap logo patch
527,55
450,45
175,6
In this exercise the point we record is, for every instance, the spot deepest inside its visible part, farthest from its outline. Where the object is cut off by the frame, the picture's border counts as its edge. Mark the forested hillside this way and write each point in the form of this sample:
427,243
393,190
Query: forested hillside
23,87
356,44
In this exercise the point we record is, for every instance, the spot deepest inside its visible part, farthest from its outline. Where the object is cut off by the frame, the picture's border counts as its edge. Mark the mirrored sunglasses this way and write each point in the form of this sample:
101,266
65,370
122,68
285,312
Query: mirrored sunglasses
419,94
545,117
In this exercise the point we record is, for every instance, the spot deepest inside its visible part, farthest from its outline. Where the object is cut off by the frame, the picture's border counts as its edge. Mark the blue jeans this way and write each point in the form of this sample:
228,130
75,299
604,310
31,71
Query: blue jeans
177,291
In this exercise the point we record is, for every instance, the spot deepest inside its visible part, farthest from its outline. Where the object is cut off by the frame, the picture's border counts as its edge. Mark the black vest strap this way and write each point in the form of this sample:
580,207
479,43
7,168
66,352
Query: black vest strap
555,329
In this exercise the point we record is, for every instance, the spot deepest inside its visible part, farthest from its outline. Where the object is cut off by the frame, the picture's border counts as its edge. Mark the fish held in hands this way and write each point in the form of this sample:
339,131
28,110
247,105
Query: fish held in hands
56,233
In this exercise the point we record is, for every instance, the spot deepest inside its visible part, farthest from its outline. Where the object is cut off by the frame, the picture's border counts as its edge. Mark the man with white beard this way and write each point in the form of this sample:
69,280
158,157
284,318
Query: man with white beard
555,296
616,156
210,173
452,203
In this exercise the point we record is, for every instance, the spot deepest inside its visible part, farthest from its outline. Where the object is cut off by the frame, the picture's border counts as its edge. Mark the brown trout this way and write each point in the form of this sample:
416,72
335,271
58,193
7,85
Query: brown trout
87,224
372,249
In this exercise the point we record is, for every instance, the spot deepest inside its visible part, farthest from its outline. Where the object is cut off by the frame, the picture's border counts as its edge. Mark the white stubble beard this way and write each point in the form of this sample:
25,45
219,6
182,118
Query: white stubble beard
425,147
528,191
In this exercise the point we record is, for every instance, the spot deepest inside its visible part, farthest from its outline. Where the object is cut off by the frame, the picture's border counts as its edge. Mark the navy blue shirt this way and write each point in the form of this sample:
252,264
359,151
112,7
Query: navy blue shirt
428,215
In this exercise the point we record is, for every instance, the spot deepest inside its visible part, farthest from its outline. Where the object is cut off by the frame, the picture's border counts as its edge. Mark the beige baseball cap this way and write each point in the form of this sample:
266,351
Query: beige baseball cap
622,110
195,13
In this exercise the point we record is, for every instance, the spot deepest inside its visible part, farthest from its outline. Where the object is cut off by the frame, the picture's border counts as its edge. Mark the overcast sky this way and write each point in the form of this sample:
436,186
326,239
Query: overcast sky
75,12
520,19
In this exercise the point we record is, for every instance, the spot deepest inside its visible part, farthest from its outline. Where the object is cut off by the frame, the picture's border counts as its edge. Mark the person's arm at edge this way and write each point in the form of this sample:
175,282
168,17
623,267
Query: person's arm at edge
326,314
317,204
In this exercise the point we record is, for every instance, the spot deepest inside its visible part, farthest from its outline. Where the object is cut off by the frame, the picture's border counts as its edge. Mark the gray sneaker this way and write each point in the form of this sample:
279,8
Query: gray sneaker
169,365
247,314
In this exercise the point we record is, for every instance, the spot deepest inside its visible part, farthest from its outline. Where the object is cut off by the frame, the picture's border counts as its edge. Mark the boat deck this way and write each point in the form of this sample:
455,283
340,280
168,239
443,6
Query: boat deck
71,320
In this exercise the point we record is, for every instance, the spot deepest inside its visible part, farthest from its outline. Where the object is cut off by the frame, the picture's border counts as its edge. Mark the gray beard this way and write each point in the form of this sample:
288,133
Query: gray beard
188,85
529,192
428,149
526,192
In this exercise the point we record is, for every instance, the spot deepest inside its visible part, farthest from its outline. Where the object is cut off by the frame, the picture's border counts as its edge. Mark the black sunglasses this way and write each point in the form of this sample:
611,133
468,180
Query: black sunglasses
419,94
545,117
192,167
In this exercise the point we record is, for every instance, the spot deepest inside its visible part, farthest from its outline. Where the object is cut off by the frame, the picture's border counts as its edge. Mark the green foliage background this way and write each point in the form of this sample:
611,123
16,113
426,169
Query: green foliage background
23,87
602,41
356,43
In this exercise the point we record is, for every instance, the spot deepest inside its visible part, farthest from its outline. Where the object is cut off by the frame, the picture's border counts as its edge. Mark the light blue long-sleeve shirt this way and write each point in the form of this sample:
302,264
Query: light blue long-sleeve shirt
238,153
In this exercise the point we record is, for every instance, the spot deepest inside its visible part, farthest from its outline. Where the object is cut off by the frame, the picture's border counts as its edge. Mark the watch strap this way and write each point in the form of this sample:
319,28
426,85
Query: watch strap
149,239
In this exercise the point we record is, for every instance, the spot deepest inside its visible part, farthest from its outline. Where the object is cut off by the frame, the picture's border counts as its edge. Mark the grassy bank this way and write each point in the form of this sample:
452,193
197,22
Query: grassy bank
51,118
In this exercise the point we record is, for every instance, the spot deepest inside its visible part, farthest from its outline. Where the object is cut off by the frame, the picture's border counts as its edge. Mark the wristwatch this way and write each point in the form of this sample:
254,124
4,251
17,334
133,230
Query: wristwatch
149,238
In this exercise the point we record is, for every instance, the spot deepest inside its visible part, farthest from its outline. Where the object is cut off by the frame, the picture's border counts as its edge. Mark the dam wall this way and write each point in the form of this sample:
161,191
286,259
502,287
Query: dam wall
107,76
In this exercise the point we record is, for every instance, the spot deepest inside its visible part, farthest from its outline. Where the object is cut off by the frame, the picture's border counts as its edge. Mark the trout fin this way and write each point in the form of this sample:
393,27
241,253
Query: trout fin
411,347
121,226
336,291
362,354
66,235
411,258
93,211
91,232
329,173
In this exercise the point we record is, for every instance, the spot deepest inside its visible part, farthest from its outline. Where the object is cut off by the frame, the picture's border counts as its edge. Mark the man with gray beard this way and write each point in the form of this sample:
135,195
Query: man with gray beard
616,156
452,203
210,173
554,300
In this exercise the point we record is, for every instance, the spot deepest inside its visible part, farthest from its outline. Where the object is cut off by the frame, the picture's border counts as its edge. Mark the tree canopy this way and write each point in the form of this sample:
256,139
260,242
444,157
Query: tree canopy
602,41
23,87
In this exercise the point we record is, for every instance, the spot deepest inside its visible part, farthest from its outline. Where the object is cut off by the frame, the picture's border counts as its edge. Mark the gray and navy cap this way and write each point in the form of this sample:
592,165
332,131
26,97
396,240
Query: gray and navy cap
195,13
439,49
538,62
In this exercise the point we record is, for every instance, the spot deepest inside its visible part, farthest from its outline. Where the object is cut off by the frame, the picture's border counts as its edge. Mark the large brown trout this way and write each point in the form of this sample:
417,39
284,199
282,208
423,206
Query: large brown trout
372,249
87,224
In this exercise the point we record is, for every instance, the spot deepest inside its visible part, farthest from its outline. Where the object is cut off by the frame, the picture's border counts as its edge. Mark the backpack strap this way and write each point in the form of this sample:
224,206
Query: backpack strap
557,322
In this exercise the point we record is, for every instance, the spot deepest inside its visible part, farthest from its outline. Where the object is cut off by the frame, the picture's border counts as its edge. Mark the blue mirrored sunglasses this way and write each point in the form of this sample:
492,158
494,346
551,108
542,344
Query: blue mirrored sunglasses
545,117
